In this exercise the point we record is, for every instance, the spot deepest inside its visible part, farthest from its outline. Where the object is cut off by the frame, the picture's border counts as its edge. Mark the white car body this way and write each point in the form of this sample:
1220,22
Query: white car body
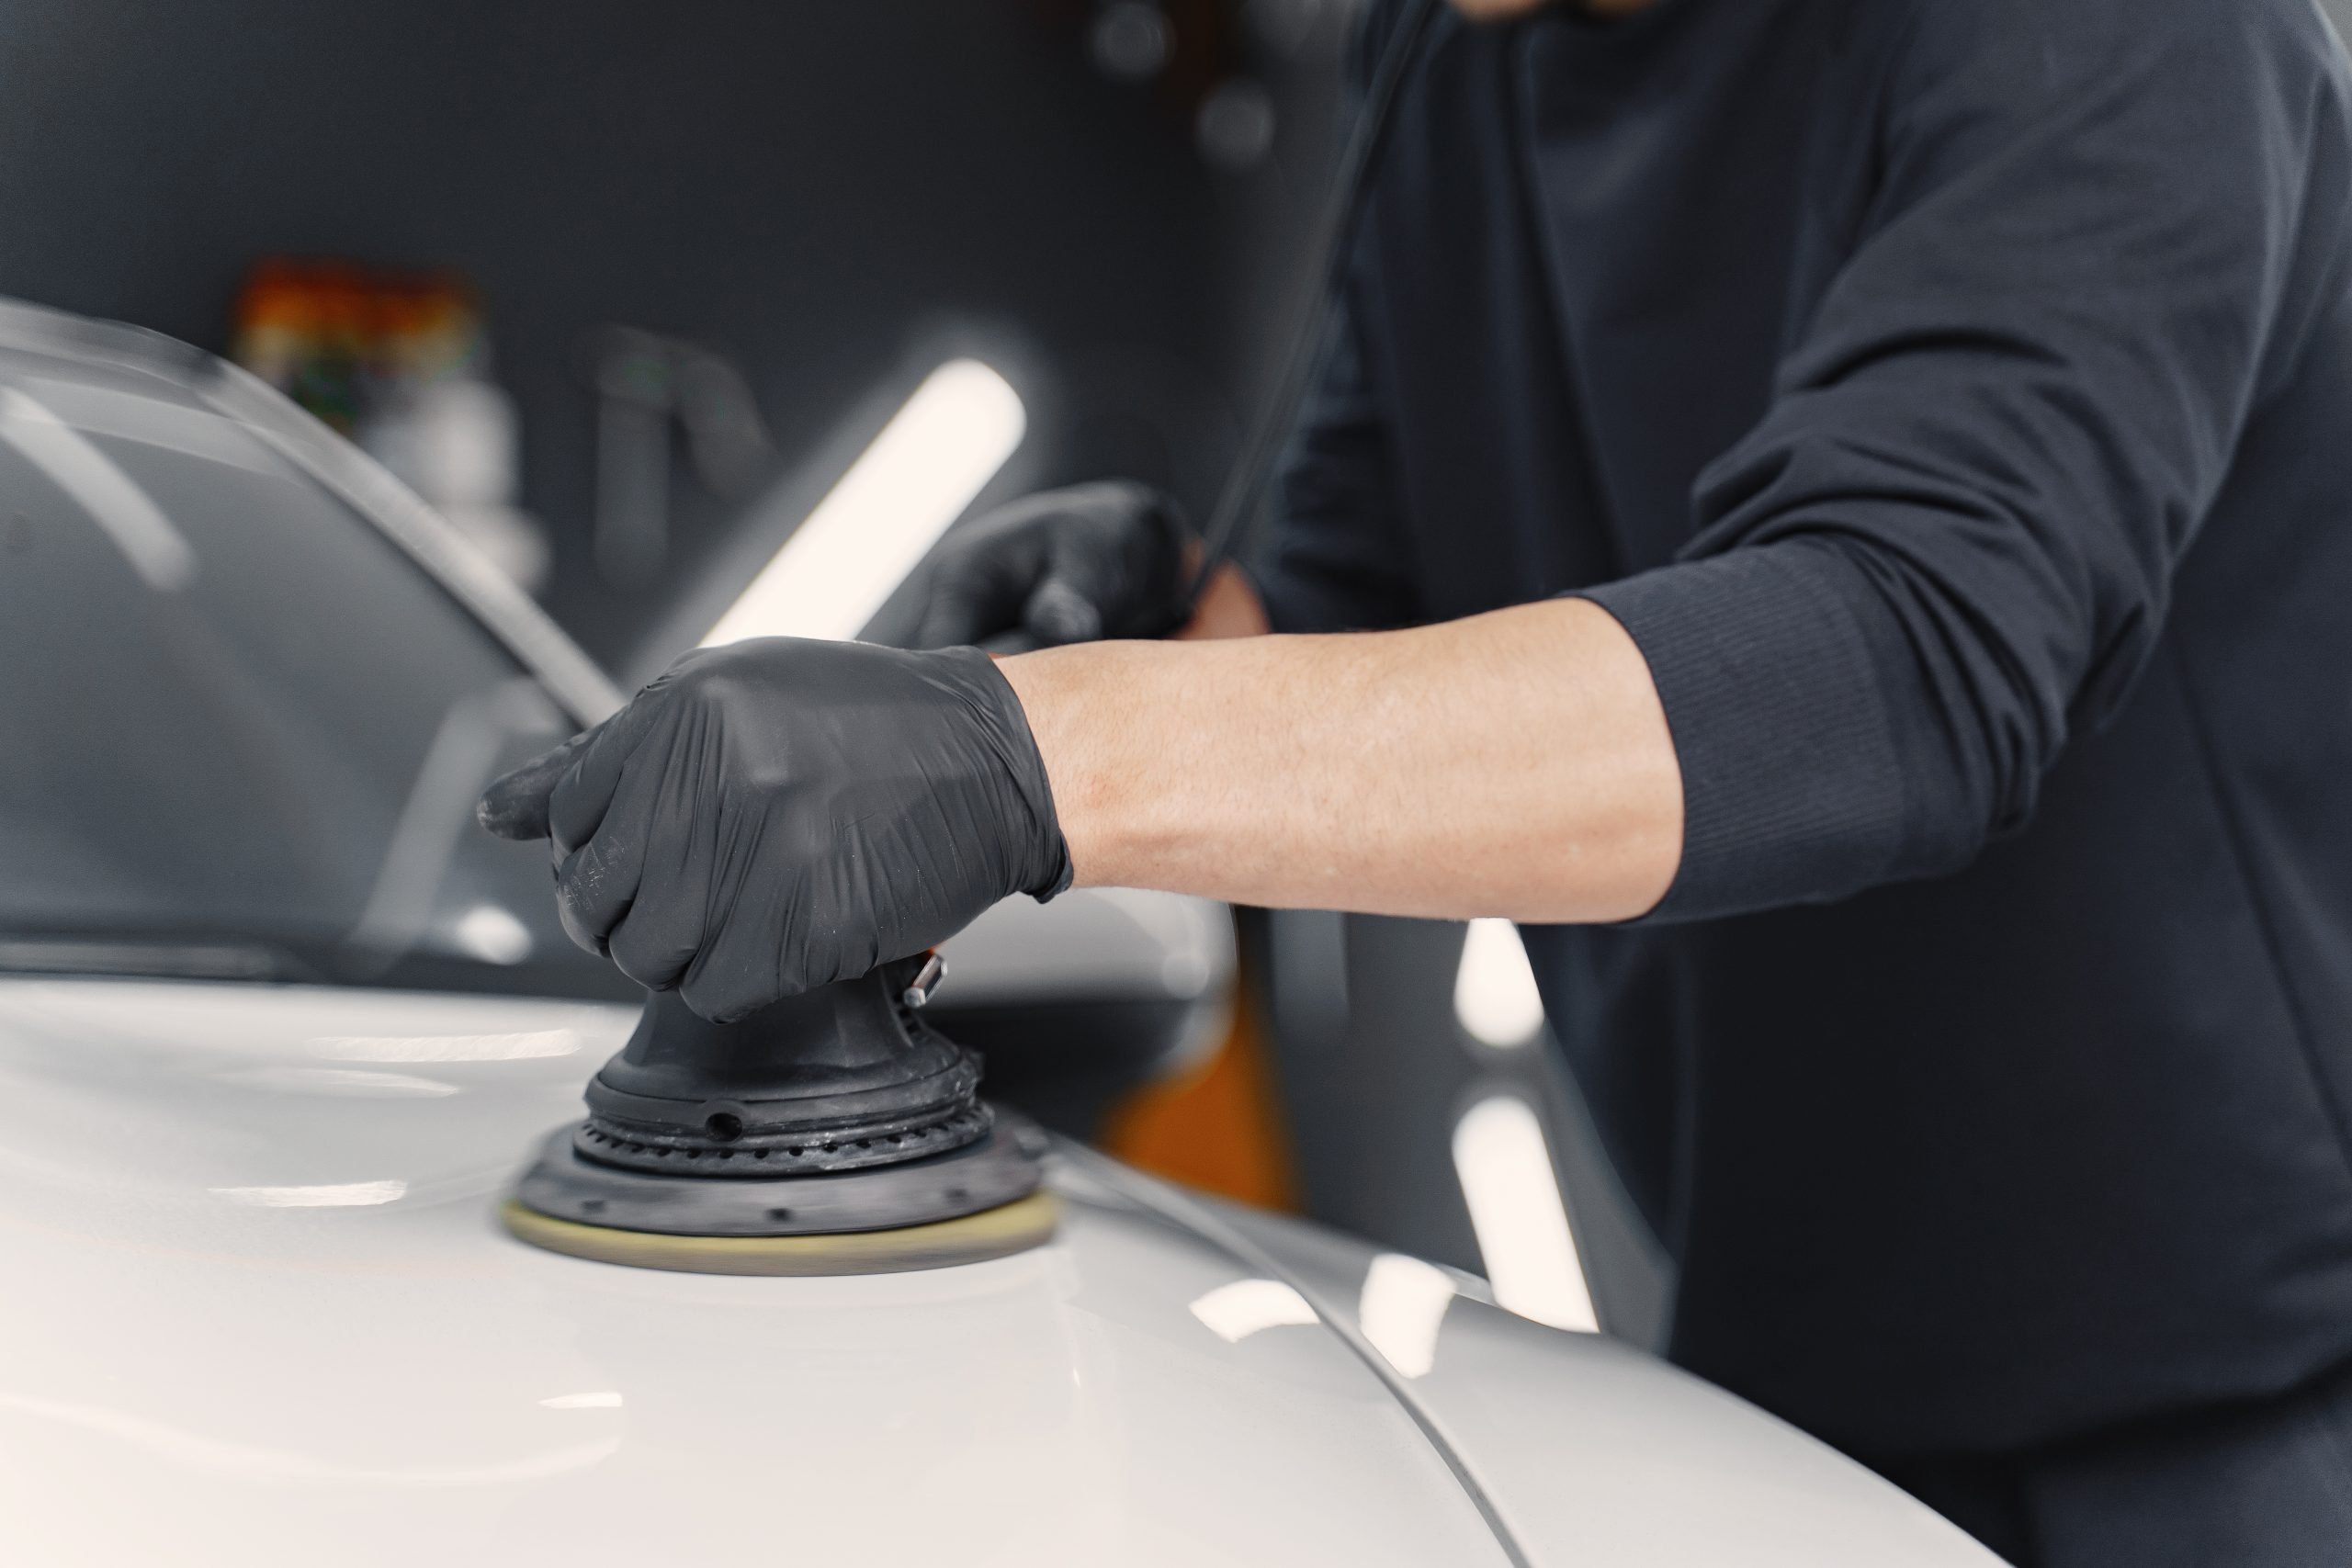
260,1314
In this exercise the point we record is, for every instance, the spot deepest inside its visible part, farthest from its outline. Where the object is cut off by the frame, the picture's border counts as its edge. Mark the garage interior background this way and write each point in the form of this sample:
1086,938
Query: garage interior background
1105,200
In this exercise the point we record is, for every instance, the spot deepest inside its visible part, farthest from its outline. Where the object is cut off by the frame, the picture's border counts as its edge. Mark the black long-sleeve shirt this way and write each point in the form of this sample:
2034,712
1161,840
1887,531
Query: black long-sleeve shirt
1953,398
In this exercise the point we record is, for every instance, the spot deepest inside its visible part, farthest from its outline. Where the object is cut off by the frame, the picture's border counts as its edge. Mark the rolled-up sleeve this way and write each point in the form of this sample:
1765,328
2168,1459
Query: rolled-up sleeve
1949,543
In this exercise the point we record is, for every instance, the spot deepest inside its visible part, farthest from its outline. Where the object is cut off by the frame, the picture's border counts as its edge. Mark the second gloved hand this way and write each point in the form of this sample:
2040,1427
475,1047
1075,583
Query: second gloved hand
1108,560
776,815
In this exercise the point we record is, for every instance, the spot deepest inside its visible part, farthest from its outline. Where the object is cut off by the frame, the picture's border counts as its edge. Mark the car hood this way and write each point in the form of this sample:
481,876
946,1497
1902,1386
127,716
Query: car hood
260,1313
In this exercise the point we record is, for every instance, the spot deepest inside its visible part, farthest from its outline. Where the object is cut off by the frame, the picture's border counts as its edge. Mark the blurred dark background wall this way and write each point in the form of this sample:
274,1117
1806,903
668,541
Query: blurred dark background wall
830,196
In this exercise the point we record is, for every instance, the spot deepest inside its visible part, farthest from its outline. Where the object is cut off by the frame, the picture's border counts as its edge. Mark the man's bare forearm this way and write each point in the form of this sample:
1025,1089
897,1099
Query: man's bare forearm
1515,763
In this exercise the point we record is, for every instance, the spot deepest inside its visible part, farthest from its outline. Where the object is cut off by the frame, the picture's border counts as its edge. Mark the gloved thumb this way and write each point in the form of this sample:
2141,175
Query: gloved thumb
1058,612
515,804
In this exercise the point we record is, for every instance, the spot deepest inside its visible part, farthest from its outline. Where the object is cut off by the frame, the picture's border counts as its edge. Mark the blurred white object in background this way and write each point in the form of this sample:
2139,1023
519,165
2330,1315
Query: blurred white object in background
938,452
1235,124
399,361
1493,991
1130,39
457,441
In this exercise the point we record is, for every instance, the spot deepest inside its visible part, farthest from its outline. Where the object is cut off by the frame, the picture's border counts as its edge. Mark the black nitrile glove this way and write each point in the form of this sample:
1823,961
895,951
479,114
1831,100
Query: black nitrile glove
1095,560
775,815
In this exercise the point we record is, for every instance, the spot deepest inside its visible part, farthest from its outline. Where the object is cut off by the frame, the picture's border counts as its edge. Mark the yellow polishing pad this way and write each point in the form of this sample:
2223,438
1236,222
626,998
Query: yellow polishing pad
992,1233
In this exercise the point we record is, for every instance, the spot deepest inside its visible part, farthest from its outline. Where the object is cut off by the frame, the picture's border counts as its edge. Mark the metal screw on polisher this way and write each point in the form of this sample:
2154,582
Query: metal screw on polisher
926,980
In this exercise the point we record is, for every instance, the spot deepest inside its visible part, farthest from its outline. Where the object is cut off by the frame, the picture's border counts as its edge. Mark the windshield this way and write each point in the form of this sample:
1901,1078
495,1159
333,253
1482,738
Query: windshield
242,732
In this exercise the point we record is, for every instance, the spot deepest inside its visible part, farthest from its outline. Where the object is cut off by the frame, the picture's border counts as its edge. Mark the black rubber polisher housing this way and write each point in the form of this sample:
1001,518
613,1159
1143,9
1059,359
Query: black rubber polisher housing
831,1114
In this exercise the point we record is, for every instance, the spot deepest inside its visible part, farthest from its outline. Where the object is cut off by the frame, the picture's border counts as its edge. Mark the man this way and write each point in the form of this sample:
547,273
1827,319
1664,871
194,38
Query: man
1842,510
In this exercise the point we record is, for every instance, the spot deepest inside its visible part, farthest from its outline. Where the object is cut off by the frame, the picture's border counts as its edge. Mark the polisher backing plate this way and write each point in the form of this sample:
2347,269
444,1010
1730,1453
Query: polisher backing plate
973,1238
979,1202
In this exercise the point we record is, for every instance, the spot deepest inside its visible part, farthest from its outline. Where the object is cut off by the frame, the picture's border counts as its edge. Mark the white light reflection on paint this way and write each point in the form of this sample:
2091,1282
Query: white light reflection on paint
417,1048
880,518
1401,1310
325,1195
1521,1223
252,1462
1235,1312
348,1083
599,1399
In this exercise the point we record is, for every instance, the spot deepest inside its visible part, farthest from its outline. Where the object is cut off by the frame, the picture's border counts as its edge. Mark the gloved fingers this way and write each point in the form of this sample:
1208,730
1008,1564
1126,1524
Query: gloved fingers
1121,581
515,804
660,933
597,881
967,607
583,791
744,965
595,885
1058,612
1089,584
653,946
981,573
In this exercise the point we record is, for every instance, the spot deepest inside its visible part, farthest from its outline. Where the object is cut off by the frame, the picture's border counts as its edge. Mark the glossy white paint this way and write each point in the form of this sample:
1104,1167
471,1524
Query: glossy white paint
1591,1453
258,1314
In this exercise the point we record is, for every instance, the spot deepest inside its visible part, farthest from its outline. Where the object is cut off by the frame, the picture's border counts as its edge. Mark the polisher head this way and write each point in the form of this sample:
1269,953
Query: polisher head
831,1133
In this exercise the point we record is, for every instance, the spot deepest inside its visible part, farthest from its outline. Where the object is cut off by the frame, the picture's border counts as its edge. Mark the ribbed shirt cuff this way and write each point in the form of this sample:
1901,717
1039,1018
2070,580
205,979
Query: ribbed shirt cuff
1768,660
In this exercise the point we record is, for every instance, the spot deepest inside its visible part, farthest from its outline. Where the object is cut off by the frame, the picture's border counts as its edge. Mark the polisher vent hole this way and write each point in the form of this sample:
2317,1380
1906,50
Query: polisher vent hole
779,1213
724,1126
592,1205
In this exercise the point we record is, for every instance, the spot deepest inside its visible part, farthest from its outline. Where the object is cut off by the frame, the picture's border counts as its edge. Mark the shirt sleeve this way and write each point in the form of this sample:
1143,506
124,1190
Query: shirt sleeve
1337,559
1949,544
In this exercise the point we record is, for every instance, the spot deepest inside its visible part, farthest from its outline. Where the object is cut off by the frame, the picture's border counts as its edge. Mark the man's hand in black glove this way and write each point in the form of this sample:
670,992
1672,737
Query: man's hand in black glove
775,815
1109,560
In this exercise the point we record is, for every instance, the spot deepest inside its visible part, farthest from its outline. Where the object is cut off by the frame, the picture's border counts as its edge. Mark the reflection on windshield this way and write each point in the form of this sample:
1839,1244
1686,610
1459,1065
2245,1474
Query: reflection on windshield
243,733
472,738
104,492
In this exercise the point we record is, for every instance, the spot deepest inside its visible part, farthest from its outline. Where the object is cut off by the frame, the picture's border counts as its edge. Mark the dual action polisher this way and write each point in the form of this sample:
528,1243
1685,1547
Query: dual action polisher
832,1133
